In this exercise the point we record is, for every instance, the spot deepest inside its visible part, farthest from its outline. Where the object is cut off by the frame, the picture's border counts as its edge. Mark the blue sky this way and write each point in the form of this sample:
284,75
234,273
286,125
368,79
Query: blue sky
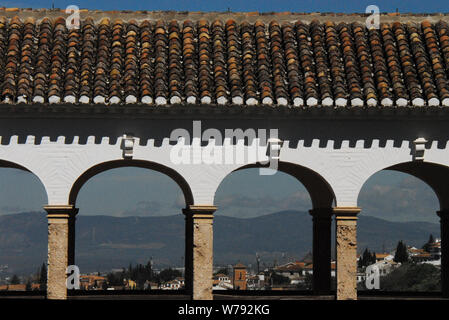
248,5
132,191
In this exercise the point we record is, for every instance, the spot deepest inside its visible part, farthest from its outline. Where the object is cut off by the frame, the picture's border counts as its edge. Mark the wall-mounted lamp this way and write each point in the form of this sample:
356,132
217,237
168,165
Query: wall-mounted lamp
274,146
420,148
127,146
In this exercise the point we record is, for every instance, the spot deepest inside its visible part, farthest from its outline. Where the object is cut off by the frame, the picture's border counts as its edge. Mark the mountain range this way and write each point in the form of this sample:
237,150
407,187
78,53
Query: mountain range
106,242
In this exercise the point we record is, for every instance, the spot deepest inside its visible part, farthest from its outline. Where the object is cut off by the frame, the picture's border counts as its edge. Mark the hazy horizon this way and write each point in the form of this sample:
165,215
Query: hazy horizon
128,192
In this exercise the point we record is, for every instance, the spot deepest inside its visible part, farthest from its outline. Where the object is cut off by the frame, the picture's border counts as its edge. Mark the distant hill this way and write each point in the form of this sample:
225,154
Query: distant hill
105,242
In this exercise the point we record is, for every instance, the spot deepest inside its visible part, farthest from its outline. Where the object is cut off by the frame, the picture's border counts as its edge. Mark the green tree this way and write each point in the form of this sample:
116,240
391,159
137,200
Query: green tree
115,278
307,284
169,274
367,258
421,277
15,279
139,273
223,271
401,254
373,258
43,277
279,279
426,246
28,285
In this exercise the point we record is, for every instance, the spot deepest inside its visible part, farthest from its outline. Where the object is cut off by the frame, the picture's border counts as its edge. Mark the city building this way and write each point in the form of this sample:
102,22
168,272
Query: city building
174,284
239,277
222,282
92,282
435,249
418,255
293,270
256,282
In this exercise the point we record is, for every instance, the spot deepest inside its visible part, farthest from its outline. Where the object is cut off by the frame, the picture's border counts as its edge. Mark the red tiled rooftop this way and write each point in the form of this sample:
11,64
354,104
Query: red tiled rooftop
291,267
282,59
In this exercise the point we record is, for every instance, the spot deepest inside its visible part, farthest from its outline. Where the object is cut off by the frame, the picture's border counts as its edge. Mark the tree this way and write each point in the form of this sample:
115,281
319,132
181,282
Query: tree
223,271
28,285
401,254
307,284
412,277
15,279
115,279
366,259
426,246
169,274
278,279
140,274
43,277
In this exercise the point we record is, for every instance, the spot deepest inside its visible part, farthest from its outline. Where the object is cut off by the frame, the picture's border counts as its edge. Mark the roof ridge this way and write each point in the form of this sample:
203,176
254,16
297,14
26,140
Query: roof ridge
212,15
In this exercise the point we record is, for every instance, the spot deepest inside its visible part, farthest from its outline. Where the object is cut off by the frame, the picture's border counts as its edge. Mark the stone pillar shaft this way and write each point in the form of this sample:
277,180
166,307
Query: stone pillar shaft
188,267
199,251
71,244
444,227
346,252
322,221
58,249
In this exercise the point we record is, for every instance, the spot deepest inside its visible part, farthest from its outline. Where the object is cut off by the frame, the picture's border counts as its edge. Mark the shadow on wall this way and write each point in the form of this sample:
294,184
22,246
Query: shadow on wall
325,130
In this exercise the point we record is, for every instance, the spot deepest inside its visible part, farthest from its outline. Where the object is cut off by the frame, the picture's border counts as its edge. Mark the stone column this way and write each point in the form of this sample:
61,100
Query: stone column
346,252
71,248
58,249
444,225
199,251
322,221
188,260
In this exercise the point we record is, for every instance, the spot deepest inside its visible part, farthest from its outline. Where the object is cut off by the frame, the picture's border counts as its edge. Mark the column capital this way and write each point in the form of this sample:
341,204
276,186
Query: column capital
61,211
346,213
200,211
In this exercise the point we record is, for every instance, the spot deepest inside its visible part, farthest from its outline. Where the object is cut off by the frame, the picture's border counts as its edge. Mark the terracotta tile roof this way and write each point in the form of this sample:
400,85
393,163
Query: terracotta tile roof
220,275
246,60
239,266
382,255
291,267
422,255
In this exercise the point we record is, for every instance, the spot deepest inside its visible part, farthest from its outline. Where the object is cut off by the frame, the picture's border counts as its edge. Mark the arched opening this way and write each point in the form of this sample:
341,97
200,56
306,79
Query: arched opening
263,230
398,236
23,231
130,227
182,183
